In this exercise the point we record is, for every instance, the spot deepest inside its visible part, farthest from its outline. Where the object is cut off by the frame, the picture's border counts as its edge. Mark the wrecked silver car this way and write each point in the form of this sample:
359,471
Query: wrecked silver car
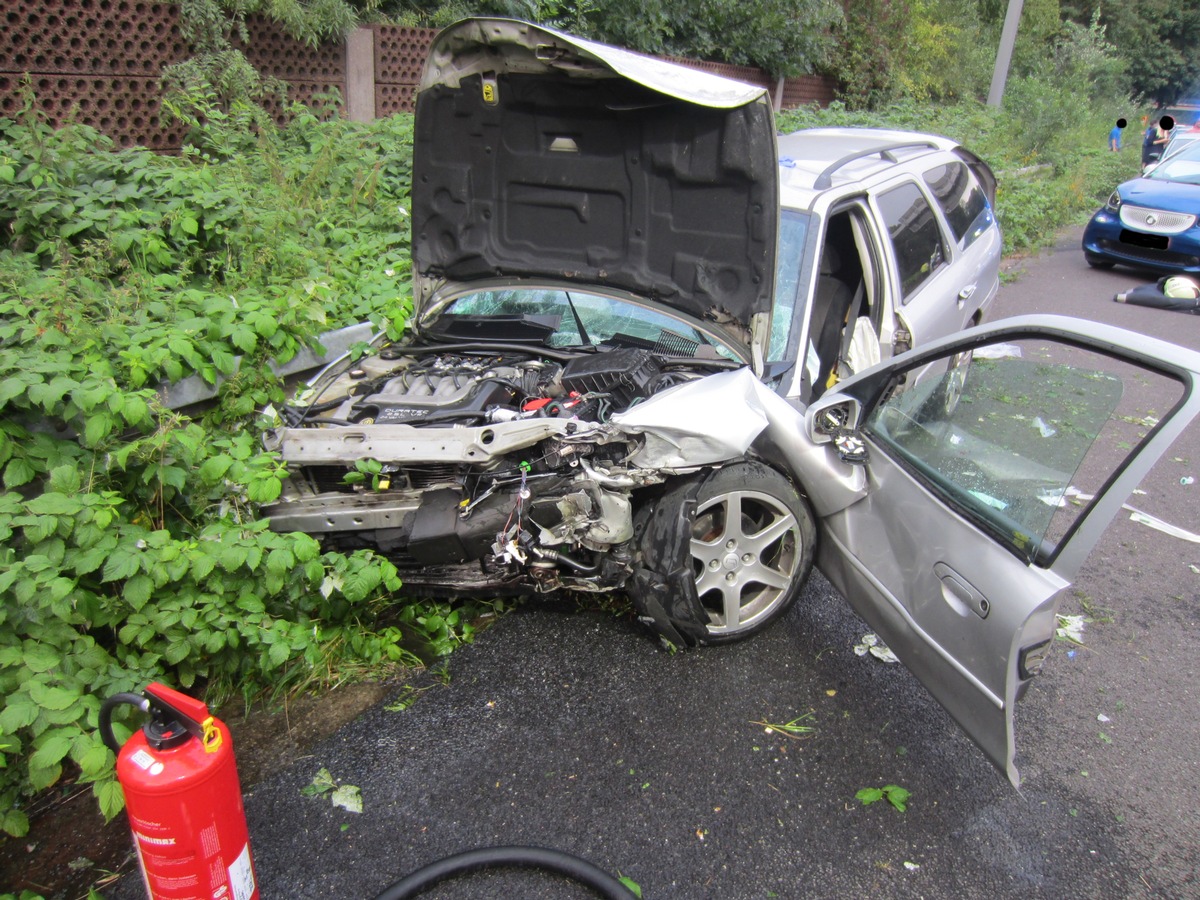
519,465
594,395
594,235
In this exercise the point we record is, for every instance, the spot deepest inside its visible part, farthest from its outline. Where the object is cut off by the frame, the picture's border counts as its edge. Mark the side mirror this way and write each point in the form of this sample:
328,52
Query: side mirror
835,419
831,416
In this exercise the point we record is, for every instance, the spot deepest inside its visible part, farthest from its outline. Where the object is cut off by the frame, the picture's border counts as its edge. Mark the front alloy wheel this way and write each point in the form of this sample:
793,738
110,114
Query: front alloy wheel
751,549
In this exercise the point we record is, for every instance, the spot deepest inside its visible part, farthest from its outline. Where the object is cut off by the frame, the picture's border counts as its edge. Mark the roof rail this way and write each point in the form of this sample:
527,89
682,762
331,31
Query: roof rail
825,179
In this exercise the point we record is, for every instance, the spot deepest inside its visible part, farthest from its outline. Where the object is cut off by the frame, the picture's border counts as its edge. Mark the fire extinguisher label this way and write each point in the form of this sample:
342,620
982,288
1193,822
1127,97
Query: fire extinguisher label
241,875
141,759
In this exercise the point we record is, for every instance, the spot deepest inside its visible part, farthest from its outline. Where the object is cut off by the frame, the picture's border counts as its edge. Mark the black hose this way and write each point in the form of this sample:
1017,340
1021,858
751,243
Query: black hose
573,867
106,709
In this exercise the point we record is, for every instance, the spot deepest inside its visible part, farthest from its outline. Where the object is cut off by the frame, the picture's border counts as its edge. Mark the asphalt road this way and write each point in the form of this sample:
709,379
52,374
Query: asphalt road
574,731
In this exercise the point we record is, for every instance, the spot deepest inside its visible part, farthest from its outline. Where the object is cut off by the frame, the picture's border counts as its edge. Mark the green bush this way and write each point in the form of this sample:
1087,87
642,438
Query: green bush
130,547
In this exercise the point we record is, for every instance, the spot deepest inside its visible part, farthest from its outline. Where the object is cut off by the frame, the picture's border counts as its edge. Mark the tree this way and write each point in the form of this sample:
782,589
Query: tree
218,80
944,50
785,37
1157,39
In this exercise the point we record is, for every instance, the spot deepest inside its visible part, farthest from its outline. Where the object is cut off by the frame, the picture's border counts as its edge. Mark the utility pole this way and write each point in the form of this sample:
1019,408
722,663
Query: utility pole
1008,37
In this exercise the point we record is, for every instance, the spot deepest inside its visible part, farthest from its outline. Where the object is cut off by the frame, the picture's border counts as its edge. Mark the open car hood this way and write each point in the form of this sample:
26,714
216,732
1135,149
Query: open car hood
545,156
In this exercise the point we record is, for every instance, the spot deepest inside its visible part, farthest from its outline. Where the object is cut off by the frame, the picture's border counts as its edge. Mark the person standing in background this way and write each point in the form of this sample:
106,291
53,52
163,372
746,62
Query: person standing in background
1156,139
1162,133
1114,136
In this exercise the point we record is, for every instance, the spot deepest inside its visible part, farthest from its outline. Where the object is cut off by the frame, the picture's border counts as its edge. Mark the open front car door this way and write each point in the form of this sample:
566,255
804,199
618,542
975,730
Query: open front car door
962,485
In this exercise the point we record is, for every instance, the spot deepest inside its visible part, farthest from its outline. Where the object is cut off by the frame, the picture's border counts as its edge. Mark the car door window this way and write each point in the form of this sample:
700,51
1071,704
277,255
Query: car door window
915,235
1019,437
961,199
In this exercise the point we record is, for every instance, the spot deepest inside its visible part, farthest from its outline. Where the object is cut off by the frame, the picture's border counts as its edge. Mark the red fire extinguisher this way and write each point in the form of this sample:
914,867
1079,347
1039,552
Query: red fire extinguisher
183,799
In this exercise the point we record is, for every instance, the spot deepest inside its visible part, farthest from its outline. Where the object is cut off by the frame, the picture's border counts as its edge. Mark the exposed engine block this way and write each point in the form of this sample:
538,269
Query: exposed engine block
499,465
445,389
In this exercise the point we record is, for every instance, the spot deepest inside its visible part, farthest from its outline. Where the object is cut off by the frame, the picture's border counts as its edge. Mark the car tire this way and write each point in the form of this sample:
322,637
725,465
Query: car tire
943,401
1097,263
742,548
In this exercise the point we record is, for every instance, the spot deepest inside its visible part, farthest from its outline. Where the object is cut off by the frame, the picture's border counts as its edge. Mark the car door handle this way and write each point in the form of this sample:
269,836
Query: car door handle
960,594
965,294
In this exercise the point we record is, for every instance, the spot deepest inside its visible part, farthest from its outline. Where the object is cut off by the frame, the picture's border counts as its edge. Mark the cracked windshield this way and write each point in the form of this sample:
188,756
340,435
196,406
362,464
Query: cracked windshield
1021,436
588,320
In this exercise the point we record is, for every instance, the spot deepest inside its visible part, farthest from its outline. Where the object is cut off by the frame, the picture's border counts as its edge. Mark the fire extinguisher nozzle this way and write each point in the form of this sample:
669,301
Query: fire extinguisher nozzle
106,708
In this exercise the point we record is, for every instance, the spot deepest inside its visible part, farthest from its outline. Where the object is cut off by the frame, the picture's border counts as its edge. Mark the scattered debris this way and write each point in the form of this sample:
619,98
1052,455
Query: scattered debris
347,797
1103,718
1135,514
1044,429
322,783
793,729
1194,568
633,886
893,793
988,499
1054,497
877,648
911,866
1143,421
997,351
1157,524
407,698
1186,480
1070,628
343,796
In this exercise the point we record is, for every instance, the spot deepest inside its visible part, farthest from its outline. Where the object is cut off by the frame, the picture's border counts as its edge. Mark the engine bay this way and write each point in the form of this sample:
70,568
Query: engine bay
398,387
489,467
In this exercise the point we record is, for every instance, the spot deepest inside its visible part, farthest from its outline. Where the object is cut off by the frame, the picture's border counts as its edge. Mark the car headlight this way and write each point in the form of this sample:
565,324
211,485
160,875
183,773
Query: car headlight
1114,202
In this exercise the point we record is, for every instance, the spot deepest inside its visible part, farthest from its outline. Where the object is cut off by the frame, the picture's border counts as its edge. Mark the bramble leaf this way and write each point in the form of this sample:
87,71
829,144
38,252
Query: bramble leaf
138,590
869,795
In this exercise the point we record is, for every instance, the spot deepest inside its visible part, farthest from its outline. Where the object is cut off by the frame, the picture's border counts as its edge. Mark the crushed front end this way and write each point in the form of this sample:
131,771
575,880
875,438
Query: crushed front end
478,469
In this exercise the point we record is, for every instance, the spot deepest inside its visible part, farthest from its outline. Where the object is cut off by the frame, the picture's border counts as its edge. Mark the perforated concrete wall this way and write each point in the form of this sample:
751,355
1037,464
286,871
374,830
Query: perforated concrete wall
90,37
273,52
93,61
99,62
399,58
127,109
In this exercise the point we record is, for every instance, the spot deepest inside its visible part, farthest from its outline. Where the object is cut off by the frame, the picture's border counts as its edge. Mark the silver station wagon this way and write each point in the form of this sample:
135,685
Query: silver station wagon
659,350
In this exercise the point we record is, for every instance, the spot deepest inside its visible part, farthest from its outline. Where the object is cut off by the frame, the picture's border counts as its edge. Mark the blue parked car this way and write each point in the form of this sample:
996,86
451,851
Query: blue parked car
1151,222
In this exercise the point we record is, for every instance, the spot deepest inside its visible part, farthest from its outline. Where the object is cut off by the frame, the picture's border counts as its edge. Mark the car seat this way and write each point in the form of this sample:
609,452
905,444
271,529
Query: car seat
831,308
